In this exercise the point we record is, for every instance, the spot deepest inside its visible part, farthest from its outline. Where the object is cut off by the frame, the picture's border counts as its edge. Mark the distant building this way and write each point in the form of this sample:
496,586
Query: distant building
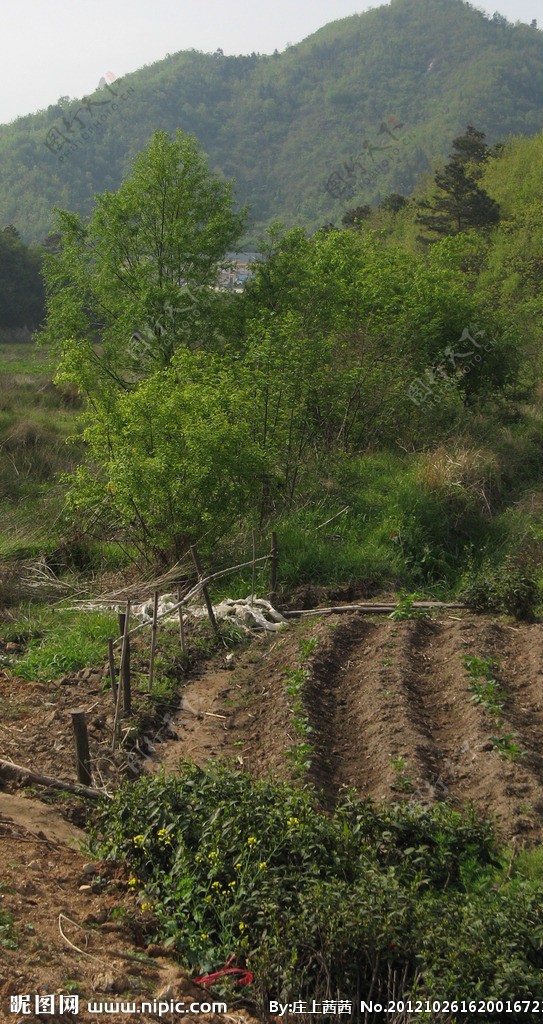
239,271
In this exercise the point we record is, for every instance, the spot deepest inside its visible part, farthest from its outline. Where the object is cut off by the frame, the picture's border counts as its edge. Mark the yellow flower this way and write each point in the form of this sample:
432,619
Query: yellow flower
251,841
215,885
293,821
213,855
133,881
164,836
237,866
204,935
262,865
241,926
139,840
232,884
207,899
146,906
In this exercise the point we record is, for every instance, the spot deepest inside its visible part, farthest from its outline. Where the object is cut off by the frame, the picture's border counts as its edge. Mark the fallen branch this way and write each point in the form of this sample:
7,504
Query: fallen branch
26,775
369,609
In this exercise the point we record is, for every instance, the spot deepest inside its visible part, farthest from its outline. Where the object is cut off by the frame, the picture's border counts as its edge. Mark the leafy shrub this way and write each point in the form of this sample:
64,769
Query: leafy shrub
511,588
400,899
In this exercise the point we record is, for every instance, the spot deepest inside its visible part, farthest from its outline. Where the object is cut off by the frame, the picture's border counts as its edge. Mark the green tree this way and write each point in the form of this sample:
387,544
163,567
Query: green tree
175,461
353,218
459,202
21,287
138,274
394,202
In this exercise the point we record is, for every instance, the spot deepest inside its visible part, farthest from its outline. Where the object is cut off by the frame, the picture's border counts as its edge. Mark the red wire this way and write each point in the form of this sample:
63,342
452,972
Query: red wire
247,977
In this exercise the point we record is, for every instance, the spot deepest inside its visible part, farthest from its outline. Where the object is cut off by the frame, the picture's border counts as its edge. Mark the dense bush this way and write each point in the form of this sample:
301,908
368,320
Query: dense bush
511,587
400,898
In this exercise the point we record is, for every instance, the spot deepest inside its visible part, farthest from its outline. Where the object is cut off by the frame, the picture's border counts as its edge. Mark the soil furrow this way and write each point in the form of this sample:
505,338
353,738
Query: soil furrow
359,710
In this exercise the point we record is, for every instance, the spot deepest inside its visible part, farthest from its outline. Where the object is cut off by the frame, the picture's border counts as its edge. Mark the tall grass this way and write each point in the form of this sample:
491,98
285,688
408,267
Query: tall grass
66,642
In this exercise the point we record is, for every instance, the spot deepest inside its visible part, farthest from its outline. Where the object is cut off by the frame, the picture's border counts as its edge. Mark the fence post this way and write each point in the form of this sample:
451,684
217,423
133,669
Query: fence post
111,658
124,624
205,591
273,570
182,628
82,753
253,575
153,640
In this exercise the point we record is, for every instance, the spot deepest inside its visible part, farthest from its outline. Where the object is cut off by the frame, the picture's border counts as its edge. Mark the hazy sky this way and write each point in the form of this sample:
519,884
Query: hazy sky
52,48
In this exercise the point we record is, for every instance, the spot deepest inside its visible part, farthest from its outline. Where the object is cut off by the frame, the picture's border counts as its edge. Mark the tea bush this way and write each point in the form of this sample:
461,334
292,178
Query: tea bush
389,899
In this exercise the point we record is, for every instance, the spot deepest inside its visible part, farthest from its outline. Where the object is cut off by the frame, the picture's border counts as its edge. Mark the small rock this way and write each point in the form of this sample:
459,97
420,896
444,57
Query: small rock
34,865
85,888
90,869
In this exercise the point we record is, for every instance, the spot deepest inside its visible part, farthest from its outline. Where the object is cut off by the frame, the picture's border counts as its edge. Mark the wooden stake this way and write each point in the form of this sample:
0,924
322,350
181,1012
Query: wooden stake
111,657
205,591
82,753
123,626
253,577
273,570
153,640
125,663
182,628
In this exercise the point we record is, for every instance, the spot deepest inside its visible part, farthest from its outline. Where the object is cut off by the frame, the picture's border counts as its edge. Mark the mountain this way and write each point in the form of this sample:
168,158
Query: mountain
354,112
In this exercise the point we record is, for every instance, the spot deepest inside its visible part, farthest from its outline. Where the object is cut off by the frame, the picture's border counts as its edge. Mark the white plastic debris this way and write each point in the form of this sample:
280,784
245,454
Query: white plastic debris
247,613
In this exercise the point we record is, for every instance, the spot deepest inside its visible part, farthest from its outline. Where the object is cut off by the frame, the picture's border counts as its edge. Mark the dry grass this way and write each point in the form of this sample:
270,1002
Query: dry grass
457,468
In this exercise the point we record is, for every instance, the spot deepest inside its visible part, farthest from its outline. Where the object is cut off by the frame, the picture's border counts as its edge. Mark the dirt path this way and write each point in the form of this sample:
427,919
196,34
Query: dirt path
36,818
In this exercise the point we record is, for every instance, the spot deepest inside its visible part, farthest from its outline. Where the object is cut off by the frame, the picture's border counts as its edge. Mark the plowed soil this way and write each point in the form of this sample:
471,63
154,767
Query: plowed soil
391,710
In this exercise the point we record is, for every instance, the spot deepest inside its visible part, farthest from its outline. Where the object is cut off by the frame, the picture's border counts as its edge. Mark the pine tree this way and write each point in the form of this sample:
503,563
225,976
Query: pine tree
460,203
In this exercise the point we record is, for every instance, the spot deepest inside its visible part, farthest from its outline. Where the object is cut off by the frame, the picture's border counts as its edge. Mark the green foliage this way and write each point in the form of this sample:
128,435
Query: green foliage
485,689
177,458
511,588
405,608
403,782
67,642
301,753
487,692
8,935
507,746
280,125
460,203
152,247
314,903
21,288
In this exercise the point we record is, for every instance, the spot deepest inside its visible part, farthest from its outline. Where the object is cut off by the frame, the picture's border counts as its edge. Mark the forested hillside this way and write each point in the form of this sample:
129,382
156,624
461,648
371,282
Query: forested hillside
354,112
